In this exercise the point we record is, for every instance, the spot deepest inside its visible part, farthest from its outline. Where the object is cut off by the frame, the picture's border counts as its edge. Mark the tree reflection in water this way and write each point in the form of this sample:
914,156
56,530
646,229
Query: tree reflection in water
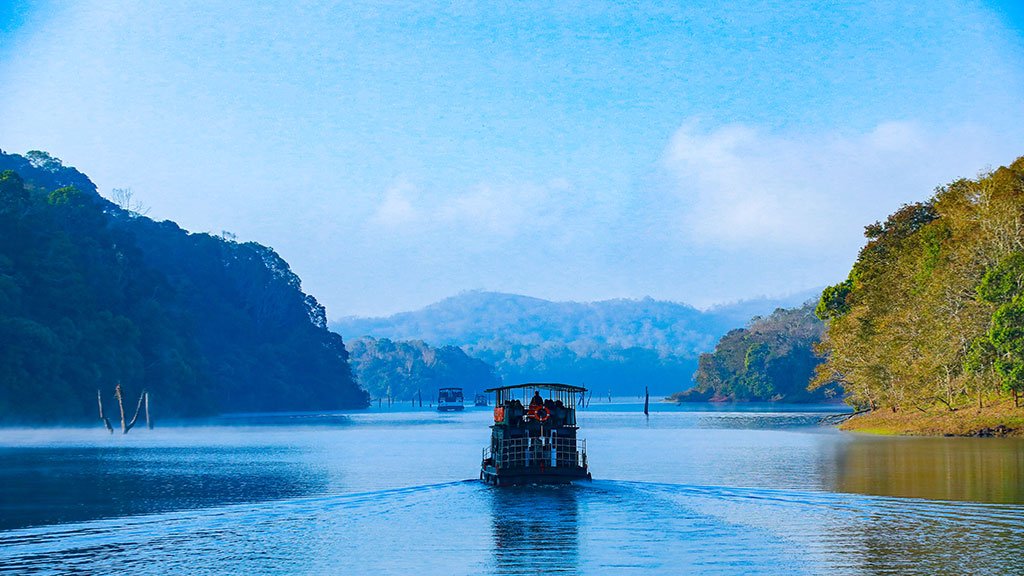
964,469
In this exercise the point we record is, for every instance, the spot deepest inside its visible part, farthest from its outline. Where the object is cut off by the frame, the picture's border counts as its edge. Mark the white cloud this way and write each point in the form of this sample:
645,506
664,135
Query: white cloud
739,186
487,212
396,208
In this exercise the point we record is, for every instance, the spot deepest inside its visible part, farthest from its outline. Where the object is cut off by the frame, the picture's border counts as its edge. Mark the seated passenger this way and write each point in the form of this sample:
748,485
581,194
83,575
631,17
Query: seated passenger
516,414
559,413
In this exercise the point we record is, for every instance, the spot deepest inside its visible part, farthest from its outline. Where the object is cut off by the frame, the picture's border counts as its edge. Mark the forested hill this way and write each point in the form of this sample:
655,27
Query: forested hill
92,294
617,345
772,359
932,314
405,369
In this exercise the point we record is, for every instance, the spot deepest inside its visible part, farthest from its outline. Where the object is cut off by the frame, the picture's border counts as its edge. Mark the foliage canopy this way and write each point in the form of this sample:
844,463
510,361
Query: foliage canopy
91,295
933,309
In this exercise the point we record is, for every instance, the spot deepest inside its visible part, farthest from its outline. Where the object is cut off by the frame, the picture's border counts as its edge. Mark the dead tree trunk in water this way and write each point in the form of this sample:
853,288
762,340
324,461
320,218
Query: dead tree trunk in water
126,426
106,421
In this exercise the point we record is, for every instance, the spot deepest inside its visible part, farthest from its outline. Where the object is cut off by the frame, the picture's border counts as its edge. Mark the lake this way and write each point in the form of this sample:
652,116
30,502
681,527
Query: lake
708,489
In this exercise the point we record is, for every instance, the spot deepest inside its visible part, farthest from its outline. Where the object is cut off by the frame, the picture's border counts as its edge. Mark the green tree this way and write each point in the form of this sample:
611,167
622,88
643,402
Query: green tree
13,196
1007,335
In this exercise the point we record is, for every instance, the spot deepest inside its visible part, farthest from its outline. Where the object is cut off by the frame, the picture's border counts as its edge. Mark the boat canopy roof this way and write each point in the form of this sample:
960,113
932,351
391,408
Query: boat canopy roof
541,386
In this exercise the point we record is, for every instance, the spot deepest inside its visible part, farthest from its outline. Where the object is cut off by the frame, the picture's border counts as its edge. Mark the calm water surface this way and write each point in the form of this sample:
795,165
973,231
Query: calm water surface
699,489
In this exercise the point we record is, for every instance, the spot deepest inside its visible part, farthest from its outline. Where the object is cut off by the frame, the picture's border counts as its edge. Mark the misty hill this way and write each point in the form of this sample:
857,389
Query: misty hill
741,313
92,294
407,367
772,359
613,344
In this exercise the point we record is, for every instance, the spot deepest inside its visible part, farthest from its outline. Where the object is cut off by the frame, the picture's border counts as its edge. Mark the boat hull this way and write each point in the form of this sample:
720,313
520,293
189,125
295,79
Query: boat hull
455,408
524,476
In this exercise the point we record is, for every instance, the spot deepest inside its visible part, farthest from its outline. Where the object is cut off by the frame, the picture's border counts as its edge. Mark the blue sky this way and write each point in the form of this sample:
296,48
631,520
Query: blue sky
395,153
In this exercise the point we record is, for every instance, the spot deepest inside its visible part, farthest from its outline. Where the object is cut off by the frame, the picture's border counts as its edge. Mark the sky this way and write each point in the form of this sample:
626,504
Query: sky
396,153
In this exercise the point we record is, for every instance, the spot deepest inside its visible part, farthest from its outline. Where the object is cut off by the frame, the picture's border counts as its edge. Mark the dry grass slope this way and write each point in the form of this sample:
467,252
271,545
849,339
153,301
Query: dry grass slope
998,417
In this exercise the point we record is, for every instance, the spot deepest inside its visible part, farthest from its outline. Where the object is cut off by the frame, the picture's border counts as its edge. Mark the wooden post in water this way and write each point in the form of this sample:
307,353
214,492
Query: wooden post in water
647,401
420,394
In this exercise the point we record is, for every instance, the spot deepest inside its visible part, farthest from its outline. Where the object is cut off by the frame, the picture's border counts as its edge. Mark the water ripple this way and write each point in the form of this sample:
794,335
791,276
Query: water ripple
606,526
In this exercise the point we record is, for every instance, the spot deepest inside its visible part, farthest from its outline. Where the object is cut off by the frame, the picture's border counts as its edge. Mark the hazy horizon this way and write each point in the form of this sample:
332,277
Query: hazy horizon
711,307
397,155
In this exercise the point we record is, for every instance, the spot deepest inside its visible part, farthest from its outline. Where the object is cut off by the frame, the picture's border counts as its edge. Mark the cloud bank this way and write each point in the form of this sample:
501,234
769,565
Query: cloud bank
739,187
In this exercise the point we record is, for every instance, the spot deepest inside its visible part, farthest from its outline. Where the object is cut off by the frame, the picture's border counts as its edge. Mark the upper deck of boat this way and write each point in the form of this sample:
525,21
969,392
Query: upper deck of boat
553,386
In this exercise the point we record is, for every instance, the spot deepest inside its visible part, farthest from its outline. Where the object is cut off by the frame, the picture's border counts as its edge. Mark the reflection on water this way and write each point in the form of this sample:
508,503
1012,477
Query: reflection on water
535,529
974,469
72,484
386,493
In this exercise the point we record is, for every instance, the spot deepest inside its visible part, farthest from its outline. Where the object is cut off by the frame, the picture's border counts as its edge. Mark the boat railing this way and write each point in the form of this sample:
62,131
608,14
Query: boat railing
537,452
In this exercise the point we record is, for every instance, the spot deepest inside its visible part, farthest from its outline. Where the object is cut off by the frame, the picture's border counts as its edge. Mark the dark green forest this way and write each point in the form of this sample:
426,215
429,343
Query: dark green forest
93,294
772,359
405,368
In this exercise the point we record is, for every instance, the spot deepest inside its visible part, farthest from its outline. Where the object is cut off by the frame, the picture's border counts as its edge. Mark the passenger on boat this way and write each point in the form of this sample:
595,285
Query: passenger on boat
536,400
516,410
552,417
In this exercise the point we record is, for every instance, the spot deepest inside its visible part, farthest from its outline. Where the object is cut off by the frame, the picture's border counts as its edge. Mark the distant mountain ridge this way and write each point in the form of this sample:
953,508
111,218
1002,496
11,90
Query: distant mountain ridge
611,344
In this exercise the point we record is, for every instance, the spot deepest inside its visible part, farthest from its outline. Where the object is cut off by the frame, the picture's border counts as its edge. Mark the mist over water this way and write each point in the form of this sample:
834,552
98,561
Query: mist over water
700,489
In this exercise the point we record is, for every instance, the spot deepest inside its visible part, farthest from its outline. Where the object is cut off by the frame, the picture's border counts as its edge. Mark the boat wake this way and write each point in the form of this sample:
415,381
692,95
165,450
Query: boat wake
604,525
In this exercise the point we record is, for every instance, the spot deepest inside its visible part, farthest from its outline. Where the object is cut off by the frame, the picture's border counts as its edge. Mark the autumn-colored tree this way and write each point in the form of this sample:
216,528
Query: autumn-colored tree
930,311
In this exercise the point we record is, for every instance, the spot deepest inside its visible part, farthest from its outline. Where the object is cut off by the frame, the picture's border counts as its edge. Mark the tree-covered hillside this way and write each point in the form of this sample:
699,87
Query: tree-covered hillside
773,359
932,313
92,294
406,368
617,345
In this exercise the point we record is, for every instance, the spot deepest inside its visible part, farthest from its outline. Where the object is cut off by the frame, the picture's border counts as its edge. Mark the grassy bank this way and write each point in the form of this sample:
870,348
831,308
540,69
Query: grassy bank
998,417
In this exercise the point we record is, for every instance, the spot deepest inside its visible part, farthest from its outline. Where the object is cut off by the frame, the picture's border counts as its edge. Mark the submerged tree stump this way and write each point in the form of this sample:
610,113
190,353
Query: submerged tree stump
126,425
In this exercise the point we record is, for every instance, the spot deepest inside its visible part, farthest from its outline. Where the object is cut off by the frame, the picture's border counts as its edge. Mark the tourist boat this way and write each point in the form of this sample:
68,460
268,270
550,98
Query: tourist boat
480,400
450,400
533,438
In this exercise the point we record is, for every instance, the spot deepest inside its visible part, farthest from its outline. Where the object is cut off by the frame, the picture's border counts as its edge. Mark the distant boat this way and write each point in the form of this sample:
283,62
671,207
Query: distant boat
480,400
534,441
450,400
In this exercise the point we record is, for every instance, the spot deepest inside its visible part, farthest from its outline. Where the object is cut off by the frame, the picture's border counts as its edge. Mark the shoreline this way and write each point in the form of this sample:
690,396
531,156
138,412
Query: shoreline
997,420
